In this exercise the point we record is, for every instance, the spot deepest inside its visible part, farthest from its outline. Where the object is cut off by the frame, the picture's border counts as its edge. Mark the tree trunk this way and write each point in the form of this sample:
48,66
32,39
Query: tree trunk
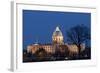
79,51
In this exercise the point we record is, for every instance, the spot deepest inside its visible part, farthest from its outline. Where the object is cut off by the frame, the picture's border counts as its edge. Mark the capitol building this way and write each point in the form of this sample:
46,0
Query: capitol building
56,45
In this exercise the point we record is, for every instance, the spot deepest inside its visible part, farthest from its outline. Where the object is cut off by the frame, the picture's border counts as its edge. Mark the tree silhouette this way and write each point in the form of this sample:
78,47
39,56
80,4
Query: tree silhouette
41,54
78,35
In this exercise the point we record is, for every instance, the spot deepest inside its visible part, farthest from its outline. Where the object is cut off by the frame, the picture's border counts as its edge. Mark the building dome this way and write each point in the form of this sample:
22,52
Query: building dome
57,32
57,36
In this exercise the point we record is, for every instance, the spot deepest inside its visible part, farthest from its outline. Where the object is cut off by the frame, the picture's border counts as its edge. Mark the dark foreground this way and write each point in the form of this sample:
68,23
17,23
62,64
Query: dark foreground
42,56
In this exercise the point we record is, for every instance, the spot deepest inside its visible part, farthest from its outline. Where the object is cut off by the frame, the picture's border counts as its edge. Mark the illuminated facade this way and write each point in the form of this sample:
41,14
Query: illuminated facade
57,37
57,44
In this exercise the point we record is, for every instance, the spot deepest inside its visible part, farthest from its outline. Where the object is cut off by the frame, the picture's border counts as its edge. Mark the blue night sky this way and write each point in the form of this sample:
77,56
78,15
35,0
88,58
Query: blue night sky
39,25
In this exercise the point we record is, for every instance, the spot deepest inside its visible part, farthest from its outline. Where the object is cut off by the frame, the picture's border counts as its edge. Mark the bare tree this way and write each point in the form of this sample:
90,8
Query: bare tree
78,35
41,54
